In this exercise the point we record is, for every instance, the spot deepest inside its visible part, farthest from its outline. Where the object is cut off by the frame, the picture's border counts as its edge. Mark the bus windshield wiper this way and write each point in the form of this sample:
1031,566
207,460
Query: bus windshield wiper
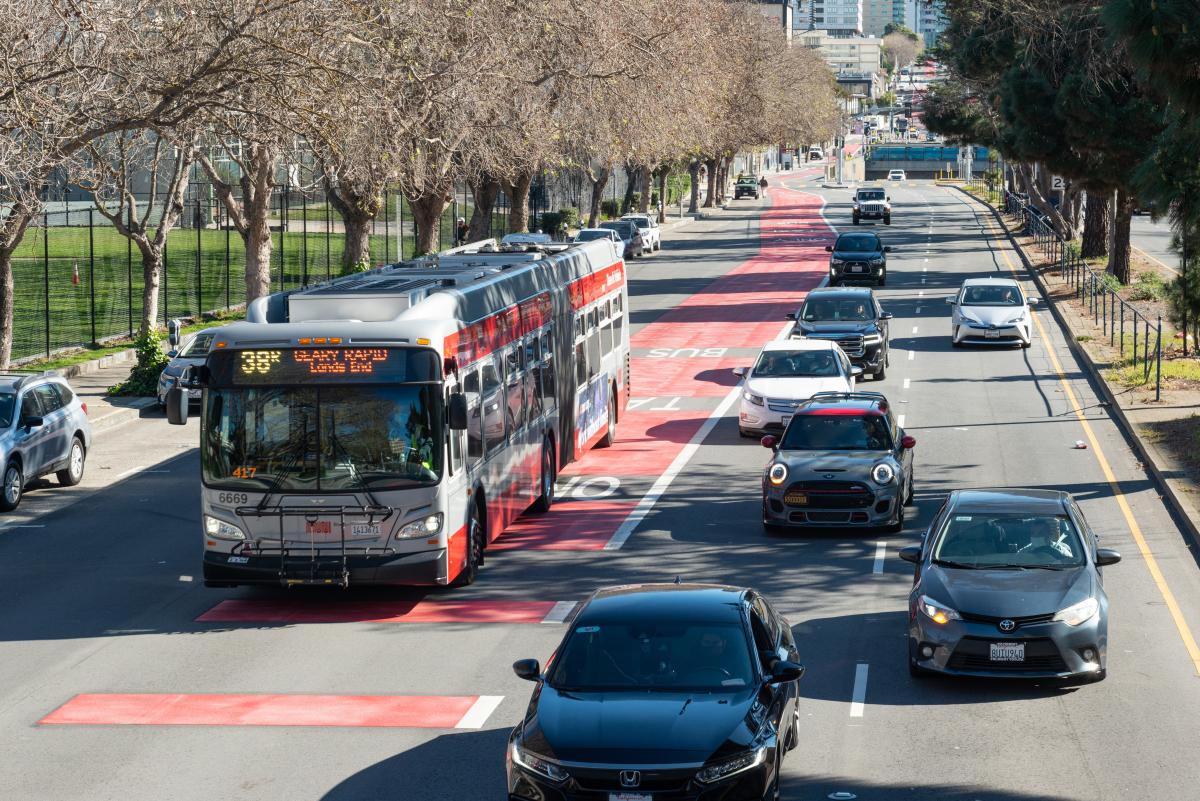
293,459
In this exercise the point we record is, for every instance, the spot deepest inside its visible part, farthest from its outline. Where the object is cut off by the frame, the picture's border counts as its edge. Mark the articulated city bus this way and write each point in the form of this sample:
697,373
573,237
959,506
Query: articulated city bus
385,427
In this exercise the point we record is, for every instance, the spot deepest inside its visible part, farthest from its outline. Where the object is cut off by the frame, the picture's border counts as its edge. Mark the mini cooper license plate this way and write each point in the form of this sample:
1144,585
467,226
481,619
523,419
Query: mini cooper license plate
1007,652
795,499
991,333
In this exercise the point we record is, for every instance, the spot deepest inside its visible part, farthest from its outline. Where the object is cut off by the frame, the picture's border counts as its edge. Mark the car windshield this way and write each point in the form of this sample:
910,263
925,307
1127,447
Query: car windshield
622,228
817,309
984,295
857,244
656,655
990,539
333,438
198,346
640,222
8,404
796,364
871,195
837,432
588,236
747,179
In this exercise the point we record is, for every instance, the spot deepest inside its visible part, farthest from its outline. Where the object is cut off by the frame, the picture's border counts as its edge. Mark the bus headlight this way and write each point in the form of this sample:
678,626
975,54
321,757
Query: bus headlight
425,527
222,530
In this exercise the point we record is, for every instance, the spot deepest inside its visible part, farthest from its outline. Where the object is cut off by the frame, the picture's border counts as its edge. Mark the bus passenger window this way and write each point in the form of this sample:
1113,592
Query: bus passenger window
547,385
493,406
619,330
581,367
547,344
593,344
606,337
454,438
531,351
516,392
474,416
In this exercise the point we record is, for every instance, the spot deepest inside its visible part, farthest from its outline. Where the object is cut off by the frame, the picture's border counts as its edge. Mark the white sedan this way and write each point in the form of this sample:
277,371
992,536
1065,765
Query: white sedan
991,311
787,373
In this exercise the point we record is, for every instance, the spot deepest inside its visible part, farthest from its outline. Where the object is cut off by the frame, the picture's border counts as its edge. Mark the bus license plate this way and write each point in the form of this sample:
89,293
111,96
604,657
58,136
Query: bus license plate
1007,652
364,530
991,333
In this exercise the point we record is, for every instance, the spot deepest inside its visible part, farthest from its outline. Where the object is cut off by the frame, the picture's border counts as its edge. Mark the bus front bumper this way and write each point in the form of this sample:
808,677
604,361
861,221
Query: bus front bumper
303,567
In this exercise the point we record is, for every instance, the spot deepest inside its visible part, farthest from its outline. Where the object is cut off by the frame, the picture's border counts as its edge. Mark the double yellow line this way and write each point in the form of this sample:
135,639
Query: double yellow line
1185,633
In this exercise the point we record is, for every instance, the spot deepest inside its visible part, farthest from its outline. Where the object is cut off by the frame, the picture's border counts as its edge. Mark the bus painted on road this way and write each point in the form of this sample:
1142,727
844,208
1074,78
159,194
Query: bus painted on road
386,427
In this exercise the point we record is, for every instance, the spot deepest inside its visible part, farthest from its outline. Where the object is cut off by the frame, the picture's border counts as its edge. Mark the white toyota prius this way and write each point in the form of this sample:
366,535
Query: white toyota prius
991,311
787,373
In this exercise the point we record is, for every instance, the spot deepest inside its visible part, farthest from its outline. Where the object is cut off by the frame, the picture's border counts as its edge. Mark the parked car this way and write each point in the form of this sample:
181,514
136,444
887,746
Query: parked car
590,234
1008,582
991,311
518,240
858,257
651,233
746,186
43,429
191,352
851,317
631,237
816,154
687,692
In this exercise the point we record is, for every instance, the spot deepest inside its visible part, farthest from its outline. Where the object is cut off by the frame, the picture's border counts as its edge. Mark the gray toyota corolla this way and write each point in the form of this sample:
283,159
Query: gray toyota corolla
1008,583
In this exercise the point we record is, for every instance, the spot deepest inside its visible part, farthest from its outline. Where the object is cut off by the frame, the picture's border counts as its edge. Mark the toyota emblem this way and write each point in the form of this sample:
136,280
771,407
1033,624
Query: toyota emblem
1007,625
631,778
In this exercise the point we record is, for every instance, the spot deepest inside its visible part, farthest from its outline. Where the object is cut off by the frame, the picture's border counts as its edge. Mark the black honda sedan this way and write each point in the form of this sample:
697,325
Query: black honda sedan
660,692
1009,583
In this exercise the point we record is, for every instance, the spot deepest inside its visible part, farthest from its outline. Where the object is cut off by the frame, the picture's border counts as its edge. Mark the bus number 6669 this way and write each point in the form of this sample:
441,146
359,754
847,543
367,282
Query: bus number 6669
232,497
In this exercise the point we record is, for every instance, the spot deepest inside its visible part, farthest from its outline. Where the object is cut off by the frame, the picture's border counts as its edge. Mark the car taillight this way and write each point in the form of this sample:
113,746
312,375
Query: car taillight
84,405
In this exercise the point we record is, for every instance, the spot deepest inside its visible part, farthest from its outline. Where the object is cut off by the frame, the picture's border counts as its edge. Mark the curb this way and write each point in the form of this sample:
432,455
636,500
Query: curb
1146,452
121,414
96,365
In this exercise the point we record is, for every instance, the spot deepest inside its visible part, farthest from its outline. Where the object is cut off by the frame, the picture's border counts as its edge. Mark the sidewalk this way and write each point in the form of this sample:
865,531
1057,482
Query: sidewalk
91,384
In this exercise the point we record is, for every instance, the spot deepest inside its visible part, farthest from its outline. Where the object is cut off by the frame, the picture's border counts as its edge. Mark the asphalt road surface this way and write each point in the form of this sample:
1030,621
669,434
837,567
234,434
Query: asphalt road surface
1154,239
103,622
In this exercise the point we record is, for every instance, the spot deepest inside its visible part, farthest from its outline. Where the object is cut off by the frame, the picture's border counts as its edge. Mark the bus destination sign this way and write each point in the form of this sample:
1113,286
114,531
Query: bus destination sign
316,365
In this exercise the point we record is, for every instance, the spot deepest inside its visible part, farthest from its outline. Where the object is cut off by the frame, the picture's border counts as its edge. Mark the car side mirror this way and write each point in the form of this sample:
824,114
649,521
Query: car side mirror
33,421
784,671
908,443
886,315
856,371
1107,556
887,248
171,354
177,406
769,441
911,553
1033,301
527,669
950,300
456,411
790,316
740,372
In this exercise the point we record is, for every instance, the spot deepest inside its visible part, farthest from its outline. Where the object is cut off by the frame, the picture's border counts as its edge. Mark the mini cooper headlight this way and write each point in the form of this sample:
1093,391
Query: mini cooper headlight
777,473
883,473
1079,613
729,767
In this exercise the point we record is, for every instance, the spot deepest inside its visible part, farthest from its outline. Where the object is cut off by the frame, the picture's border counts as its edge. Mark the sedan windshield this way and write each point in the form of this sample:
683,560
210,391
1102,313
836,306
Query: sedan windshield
624,229
991,296
857,244
588,236
837,432
334,438
796,364
654,655
199,345
835,309
997,540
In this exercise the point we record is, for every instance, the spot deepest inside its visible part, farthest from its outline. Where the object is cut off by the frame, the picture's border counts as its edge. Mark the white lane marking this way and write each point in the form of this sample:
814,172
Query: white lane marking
920,293
927,262
479,712
880,555
914,329
907,382
858,696
911,354
186,578
900,420
918,310
21,525
131,471
922,280
558,613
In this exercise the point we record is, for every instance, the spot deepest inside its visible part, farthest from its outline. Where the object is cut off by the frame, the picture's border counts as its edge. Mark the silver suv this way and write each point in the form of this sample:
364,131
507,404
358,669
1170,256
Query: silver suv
43,429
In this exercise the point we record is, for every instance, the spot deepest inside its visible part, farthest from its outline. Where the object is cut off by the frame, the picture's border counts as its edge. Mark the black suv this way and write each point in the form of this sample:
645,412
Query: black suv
853,318
858,257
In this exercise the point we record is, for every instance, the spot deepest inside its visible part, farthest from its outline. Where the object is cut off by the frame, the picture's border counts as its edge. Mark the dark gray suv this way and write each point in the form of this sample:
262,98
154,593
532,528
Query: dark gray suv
43,429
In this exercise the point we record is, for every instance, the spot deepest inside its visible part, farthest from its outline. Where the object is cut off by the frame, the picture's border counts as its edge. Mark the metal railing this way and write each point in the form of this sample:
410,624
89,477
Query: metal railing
1119,320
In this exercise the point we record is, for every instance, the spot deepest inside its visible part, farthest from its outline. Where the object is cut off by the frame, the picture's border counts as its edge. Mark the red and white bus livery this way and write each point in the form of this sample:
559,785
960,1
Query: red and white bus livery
385,427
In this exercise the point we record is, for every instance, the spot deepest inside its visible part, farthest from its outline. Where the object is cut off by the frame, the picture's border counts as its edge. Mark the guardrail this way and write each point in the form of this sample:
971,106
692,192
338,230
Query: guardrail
1108,309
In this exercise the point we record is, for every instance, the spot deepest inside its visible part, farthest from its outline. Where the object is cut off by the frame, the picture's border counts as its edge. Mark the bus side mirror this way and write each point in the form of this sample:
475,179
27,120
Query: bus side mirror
456,411
177,406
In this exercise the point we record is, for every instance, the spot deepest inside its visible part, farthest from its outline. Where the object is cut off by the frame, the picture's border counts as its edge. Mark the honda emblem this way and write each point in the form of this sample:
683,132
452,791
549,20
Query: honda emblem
631,778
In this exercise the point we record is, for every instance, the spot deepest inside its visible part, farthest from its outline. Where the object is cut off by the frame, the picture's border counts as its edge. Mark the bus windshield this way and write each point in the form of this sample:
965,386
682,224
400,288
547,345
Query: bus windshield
324,439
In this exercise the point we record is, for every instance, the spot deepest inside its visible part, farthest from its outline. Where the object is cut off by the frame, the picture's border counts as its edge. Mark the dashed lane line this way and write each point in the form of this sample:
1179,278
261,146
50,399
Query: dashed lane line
858,696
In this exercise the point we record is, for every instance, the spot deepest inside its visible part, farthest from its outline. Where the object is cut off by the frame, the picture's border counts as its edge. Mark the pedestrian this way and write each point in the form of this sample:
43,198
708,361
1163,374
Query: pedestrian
463,230
762,183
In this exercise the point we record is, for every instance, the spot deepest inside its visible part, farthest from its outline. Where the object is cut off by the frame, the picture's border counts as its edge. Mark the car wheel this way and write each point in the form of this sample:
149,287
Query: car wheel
880,374
883,280
772,793
908,498
546,498
470,571
14,487
610,435
898,526
1026,344
72,474
743,432
954,343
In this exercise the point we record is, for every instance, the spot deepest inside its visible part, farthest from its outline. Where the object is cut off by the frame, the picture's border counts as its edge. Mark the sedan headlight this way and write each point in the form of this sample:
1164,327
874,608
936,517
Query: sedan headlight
872,339
970,318
730,767
425,527
883,473
1079,613
877,261
777,473
757,400
938,613
222,530
1016,320
536,764
837,262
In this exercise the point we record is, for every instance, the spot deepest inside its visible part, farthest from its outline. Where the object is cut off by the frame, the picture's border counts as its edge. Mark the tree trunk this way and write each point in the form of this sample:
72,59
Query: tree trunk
1118,257
632,179
518,194
152,269
356,250
427,214
484,191
258,257
694,174
1095,227
711,196
599,182
6,305
644,204
1038,199
663,173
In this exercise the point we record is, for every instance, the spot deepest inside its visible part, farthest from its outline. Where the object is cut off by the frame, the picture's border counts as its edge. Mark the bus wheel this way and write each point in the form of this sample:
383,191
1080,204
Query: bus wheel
470,571
546,499
610,436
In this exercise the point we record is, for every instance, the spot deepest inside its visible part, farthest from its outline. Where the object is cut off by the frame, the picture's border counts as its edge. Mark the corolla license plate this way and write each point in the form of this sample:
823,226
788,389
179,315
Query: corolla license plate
991,333
630,797
1007,652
